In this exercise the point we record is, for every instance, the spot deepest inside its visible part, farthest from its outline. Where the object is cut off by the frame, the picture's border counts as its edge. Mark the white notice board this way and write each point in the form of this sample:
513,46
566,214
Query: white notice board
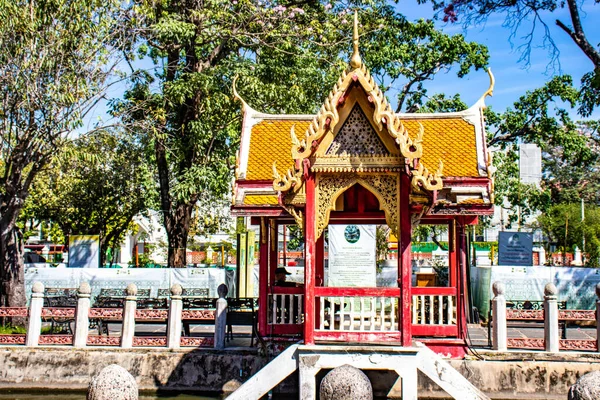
352,256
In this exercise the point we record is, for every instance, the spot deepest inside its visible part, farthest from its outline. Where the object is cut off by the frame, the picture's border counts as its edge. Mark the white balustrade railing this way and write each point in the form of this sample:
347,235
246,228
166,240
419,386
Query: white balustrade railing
286,308
80,315
432,309
361,314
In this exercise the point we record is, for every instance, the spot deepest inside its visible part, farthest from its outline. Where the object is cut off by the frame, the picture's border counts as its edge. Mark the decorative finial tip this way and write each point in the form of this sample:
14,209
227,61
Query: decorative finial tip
355,61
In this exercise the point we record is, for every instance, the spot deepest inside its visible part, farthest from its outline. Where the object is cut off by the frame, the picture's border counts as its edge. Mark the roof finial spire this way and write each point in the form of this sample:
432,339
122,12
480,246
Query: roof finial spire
355,61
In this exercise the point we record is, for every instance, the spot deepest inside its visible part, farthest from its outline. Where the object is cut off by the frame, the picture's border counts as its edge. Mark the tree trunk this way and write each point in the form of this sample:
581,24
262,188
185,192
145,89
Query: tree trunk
12,268
178,226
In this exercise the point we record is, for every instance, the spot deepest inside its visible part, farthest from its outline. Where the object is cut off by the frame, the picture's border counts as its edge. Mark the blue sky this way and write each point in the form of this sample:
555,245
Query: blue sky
513,79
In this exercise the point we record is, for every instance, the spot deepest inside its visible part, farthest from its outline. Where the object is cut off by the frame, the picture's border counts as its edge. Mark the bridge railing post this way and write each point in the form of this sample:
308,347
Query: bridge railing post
551,335
128,329
34,322
221,318
499,334
174,322
82,315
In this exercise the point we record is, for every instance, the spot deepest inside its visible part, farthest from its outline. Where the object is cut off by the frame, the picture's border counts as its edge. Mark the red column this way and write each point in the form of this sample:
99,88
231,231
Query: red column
263,280
309,260
452,255
404,261
462,276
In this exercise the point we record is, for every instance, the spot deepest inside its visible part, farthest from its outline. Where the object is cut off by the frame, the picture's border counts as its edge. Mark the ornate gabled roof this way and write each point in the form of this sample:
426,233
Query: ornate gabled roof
453,143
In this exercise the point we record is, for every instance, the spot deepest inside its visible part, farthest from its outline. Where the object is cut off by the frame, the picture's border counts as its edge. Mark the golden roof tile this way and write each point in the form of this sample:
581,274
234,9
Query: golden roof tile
271,141
260,199
451,140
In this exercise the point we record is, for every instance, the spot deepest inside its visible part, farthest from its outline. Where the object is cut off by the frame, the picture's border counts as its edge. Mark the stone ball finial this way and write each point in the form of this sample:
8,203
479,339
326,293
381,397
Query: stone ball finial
346,383
598,290
586,388
131,289
498,288
38,287
176,289
113,383
222,290
84,288
550,289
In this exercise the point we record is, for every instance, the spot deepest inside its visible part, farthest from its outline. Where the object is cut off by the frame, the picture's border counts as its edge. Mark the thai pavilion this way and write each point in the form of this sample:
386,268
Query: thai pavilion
358,164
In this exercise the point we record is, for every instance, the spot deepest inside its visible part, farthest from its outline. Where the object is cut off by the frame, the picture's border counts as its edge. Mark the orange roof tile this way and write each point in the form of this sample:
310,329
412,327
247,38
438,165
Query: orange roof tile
451,140
271,141
260,199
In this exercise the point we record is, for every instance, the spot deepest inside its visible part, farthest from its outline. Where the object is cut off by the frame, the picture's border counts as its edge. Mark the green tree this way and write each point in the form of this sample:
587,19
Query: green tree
564,226
287,56
414,53
96,186
56,58
538,117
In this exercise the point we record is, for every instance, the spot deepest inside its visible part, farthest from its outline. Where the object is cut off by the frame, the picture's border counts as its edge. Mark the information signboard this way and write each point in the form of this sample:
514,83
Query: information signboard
515,249
352,256
84,251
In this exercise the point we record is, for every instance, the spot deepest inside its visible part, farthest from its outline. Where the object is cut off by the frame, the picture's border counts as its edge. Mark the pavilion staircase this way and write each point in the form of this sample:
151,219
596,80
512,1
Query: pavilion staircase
405,361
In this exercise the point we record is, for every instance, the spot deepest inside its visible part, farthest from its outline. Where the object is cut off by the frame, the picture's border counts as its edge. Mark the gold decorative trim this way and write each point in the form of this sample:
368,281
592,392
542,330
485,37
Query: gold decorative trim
274,237
491,169
236,95
490,91
423,179
328,117
355,60
263,231
358,163
293,178
385,187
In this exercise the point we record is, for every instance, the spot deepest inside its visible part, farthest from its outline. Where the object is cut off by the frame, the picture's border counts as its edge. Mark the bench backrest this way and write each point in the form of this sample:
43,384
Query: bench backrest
190,293
121,293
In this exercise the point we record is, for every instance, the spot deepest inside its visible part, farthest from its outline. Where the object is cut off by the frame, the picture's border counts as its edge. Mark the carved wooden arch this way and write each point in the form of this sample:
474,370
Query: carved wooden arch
385,187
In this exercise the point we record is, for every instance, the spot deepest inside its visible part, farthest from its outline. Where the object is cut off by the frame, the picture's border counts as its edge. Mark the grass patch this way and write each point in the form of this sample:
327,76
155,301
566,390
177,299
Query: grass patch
11,330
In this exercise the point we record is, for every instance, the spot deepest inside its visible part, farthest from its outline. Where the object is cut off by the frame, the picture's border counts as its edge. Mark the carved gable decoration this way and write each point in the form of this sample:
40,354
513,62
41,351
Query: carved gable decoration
357,136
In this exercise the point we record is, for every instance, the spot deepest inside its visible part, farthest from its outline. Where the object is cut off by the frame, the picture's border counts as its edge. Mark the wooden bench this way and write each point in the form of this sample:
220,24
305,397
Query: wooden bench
527,314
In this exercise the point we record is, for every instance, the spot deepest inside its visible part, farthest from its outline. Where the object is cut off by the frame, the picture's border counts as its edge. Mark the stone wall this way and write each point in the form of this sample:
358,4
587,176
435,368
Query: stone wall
500,375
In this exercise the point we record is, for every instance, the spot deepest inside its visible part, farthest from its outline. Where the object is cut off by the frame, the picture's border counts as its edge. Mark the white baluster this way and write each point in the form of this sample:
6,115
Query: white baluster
331,314
373,312
415,301
362,314
393,314
450,310
440,310
422,311
274,313
322,313
382,313
281,298
431,319
352,307
342,304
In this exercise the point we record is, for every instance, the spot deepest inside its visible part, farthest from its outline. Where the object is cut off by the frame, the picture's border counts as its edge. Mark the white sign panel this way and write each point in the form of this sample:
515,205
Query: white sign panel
84,251
352,256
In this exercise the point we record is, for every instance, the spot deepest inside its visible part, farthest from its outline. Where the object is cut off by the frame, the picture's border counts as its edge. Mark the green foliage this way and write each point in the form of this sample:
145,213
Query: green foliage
97,186
56,62
414,52
526,20
563,225
12,330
